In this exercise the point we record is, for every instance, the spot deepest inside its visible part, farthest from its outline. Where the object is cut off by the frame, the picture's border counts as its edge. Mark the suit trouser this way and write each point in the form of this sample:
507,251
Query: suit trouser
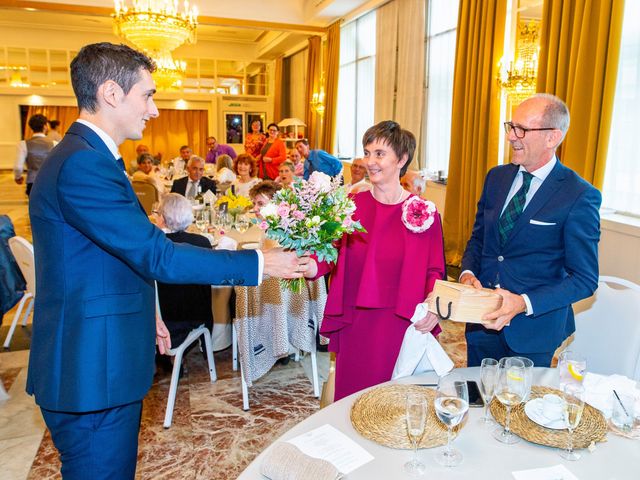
97,445
483,343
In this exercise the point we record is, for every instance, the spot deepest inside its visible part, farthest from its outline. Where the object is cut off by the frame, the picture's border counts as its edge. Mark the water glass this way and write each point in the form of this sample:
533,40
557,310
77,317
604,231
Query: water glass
416,417
510,390
242,223
451,405
571,368
528,376
623,412
488,378
574,406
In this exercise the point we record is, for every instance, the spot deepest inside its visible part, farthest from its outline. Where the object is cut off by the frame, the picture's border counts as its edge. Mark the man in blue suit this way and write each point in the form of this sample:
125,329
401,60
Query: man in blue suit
97,256
535,240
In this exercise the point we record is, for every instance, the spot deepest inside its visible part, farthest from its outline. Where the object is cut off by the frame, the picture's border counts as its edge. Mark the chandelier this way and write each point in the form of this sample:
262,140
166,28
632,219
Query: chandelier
518,78
169,72
156,25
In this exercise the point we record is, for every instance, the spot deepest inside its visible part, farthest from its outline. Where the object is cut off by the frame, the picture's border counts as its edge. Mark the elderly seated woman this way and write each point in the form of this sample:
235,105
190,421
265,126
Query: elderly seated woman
286,174
146,173
183,307
246,170
224,169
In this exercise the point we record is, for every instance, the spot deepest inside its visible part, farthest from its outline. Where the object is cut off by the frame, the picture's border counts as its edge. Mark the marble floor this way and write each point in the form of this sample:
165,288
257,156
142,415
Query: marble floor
211,436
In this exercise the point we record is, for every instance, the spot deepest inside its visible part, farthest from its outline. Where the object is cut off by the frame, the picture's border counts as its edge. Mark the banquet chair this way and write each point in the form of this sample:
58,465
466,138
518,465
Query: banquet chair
23,252
178,353
608,328
147,195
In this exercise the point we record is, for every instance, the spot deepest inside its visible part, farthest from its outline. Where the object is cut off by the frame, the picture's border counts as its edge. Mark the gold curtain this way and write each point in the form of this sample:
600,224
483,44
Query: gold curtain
313,85
65,115
475,117
278,87
167,133
386,51
332,64
580,46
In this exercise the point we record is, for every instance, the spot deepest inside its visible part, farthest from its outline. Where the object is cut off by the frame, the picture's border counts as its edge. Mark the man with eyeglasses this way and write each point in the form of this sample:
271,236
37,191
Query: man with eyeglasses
535,240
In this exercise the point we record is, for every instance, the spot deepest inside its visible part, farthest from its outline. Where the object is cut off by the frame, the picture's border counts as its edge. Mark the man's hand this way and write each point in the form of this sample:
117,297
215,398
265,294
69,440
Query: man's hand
470,279
20,180
163,338
427,323
512,305
281,264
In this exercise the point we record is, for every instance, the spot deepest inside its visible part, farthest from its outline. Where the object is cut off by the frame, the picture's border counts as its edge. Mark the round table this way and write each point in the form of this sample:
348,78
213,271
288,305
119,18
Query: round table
484,457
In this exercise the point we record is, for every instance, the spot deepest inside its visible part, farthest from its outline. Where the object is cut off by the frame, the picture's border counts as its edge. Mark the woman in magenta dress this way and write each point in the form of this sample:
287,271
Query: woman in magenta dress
381,275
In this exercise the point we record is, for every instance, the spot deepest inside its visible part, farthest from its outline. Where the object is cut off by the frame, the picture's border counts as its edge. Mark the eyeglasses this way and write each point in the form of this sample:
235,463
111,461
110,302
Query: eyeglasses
520,132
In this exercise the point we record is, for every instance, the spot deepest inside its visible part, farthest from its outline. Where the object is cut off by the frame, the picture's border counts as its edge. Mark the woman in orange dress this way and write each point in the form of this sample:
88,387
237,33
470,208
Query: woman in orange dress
272,154
255,139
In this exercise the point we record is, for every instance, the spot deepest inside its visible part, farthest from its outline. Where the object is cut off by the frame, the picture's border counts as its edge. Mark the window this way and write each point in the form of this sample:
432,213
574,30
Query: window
442,19
356,84
622,174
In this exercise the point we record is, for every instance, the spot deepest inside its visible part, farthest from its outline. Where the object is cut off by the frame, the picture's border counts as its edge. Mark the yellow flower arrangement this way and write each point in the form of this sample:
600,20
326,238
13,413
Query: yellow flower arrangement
235,203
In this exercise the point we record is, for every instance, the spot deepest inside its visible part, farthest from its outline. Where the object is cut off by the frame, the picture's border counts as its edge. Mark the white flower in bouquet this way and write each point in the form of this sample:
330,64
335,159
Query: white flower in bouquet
321,181
268,210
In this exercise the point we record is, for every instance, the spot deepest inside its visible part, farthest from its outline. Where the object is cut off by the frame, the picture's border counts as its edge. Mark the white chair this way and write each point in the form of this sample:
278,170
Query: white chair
178,353
608,328
22,250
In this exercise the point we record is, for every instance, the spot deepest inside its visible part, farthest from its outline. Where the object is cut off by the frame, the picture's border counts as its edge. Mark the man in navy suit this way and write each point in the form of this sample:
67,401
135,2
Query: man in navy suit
188,186
97,256
535,240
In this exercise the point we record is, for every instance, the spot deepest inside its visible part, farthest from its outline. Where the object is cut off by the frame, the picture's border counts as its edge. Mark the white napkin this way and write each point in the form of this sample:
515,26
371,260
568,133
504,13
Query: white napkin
599,390
420,352
209,197
227,243
546,473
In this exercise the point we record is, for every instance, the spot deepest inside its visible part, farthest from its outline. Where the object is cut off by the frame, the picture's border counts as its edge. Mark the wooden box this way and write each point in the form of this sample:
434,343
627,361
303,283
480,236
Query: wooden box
463,303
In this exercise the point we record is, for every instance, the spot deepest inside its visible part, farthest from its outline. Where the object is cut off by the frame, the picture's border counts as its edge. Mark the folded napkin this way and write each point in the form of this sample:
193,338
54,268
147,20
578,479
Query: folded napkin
420,352
599,390
209,197
285,461
227,243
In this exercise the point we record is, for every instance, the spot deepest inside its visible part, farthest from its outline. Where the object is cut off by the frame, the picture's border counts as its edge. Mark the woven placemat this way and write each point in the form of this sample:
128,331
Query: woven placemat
592,427
379,415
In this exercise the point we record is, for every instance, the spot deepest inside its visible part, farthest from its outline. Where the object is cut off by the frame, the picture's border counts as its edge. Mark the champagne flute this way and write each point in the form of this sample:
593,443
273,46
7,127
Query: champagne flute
416,416
488,379
510,390
242,223
451,404
528,376
574,406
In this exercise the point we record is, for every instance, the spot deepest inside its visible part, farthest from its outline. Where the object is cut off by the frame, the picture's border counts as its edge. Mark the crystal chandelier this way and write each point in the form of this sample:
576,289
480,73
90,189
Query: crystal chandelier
156,25
169,72
518,78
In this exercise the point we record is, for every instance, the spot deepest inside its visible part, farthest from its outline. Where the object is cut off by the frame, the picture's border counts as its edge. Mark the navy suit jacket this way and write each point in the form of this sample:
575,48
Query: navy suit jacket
97,256
180,185
551,254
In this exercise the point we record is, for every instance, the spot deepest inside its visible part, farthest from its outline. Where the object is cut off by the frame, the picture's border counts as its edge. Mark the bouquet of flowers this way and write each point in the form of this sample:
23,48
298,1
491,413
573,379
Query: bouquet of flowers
309,218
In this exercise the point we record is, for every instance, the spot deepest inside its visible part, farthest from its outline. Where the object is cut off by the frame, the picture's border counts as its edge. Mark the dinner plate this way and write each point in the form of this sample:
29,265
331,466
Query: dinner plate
533,410
250,246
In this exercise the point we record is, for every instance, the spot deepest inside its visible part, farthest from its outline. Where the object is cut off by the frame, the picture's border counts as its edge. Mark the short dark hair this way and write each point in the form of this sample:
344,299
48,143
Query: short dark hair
37,122
248,159
99,62
183,147
303,140
268,188
273,125
145,156
54,124
403,142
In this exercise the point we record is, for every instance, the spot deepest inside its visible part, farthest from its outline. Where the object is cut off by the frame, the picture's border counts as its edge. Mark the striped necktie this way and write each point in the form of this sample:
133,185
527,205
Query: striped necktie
514,209
191,191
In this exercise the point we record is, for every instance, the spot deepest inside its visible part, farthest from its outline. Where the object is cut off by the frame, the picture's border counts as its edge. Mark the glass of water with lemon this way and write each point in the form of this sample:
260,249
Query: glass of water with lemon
571,368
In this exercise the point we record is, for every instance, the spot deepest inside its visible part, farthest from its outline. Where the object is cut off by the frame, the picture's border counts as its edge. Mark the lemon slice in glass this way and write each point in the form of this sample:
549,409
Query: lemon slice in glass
514,376
575,373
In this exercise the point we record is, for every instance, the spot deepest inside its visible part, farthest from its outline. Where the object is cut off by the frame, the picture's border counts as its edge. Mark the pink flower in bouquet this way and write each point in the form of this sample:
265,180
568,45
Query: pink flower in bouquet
284,209
298,215
263,225
418,214
347,222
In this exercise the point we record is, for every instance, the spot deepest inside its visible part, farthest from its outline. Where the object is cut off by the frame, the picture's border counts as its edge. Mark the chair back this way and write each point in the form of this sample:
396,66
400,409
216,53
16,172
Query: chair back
22,251
608,328
147,195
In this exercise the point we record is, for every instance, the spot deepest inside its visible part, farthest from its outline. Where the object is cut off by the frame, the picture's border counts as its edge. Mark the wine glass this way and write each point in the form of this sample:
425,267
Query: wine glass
416,416
510,390
201,220
574,406
242,223
451,404
528,376
488,379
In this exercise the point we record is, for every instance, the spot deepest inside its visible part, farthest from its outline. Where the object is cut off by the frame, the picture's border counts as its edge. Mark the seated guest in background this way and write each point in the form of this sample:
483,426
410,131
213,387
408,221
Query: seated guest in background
33,152
188,186
317,160
359,181
261,195
54,134
214,149
255,139
272,154
414,181
246,170
183,307
296,159
224,169
146,174
381,274
180,162
286,177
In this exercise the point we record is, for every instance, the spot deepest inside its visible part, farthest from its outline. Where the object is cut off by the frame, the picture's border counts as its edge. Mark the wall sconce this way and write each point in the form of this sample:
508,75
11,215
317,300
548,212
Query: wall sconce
317,101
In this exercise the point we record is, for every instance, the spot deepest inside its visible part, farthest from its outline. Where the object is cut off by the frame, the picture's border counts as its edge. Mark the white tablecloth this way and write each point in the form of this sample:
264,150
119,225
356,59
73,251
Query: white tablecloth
484,457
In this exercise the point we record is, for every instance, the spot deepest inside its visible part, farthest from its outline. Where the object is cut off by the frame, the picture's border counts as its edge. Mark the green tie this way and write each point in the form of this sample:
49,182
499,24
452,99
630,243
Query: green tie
514,209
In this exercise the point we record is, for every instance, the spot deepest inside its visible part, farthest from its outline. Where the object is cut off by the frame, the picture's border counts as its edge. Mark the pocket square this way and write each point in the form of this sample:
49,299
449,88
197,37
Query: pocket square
538,222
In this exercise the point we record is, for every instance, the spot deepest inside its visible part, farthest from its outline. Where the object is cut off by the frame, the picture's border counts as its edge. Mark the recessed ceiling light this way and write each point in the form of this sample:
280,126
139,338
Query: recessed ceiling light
29,9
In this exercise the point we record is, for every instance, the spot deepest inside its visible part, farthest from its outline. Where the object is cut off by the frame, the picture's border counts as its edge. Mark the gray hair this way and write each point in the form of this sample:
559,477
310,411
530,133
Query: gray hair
176,211
224,160
193,159
556,113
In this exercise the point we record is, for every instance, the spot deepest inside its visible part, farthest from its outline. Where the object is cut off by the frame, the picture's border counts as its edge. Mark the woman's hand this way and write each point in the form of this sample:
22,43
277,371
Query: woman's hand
427,323
312,268
267,159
